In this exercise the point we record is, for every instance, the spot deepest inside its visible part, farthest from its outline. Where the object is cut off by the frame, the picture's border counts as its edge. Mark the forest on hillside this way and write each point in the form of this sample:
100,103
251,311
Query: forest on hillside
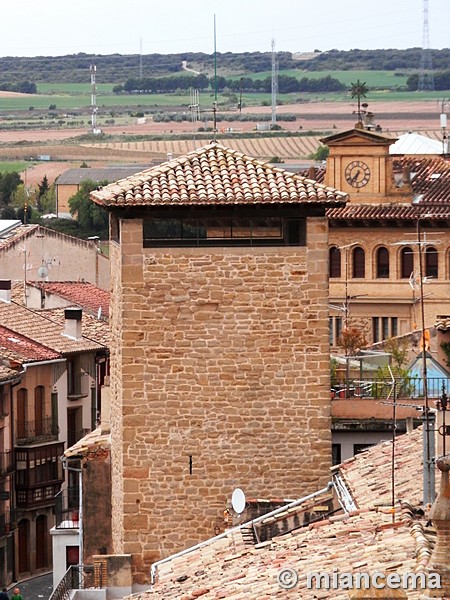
118,68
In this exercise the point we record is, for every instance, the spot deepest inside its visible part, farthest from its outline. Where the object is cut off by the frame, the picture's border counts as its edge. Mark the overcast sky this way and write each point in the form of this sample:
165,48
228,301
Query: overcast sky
56,27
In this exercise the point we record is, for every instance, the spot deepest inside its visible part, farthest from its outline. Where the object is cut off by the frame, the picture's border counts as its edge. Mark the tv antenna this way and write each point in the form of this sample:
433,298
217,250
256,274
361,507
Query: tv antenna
444,104
194,108
215,84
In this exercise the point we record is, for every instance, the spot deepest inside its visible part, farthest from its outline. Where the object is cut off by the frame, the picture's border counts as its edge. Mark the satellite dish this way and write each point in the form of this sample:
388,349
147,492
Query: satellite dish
238,501
42,271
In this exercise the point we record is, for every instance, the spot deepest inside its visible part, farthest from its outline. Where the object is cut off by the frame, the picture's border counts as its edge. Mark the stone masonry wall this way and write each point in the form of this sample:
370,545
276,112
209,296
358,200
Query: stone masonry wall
219,379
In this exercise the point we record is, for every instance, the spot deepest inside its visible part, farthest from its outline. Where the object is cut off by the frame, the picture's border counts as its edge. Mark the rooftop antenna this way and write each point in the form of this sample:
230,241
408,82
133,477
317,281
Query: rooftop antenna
140,59
194,108
426,78
444,126
94,129
274,84
215,84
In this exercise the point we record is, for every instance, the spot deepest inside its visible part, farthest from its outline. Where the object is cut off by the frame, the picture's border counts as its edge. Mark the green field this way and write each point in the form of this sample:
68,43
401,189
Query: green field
377,79
10,167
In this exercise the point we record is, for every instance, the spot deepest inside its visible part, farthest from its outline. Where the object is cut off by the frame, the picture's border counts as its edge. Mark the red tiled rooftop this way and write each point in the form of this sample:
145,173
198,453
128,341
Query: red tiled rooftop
367,539
83,294
215,175
42,329
15,345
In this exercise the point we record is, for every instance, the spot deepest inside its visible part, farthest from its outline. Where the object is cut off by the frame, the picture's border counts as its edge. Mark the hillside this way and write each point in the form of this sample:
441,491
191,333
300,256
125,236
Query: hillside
117,68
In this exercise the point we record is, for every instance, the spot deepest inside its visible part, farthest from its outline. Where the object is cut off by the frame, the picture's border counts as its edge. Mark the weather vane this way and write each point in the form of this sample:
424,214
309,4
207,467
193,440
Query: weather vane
359,89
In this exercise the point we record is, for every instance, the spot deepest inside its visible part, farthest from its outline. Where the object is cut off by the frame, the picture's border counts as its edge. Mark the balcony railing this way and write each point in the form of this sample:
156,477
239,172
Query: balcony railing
382,388
66,509
6,463
33,431
77,577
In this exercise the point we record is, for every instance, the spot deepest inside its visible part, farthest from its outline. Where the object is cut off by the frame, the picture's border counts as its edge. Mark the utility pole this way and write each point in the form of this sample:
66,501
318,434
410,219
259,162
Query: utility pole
94,108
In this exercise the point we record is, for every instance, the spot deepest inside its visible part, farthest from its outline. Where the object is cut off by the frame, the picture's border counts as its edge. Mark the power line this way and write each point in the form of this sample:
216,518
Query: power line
426,78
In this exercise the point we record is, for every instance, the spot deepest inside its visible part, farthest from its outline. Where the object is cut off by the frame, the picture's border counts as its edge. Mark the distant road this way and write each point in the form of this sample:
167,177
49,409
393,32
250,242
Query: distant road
186,68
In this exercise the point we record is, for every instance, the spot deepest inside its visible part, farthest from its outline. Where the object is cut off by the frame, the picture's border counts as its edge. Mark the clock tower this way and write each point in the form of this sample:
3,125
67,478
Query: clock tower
359,164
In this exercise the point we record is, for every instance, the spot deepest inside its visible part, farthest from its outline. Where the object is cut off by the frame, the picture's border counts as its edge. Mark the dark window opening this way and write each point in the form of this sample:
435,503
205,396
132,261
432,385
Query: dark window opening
336,454
335,262
382,263
406,262
269,231
431,262
359,263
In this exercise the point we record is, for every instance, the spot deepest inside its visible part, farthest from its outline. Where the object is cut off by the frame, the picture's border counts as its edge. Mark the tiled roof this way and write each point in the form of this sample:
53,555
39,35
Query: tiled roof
7,374
92,328
363,541
215,175
83,294
15,346
430,177
16,234
42,329
390,212
442,323
368,475
367,539
90,443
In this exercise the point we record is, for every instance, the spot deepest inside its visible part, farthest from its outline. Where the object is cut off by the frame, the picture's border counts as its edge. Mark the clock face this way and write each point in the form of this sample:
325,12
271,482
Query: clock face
357,174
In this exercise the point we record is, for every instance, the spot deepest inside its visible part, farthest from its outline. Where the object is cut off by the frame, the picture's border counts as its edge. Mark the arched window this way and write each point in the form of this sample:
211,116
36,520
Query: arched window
431,262
406,262
359,263
39,409
335,262
382,262
21,417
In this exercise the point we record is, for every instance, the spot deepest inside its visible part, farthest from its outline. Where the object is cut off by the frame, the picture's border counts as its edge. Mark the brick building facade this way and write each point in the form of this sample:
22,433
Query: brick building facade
220,346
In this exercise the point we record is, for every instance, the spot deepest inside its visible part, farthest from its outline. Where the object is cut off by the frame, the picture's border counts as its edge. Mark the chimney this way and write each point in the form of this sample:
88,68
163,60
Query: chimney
406,176
442,326
440,515
72,325
312,173
5,290
169,156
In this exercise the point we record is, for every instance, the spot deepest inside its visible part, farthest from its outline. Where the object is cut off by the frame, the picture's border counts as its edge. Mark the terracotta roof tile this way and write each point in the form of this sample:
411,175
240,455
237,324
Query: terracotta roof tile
442,323
15,346
215,175
92,328
83,294
368,475
392,211
42,329
364,540
7,374
15,235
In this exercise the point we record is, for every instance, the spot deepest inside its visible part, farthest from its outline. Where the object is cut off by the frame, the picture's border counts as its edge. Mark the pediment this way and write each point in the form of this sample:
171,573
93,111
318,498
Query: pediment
357,137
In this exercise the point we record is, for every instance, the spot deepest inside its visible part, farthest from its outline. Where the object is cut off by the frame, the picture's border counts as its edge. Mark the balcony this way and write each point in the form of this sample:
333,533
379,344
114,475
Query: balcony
408,387
30,432
66,509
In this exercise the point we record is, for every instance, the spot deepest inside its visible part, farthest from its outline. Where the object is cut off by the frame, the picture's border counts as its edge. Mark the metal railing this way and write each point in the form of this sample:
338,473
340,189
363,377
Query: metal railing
77,577
67,509
382,388
29,431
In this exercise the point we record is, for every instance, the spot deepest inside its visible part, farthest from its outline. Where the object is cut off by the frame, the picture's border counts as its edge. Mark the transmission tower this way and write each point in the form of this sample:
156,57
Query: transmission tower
274,83
94,128
426,79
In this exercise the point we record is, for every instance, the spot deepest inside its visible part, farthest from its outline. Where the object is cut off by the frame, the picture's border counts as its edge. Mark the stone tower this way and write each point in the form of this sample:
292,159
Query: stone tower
220,344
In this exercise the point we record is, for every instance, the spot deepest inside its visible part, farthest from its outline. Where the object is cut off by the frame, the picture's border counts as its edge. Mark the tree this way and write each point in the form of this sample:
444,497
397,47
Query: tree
8,185
43,189
91,218
352,340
